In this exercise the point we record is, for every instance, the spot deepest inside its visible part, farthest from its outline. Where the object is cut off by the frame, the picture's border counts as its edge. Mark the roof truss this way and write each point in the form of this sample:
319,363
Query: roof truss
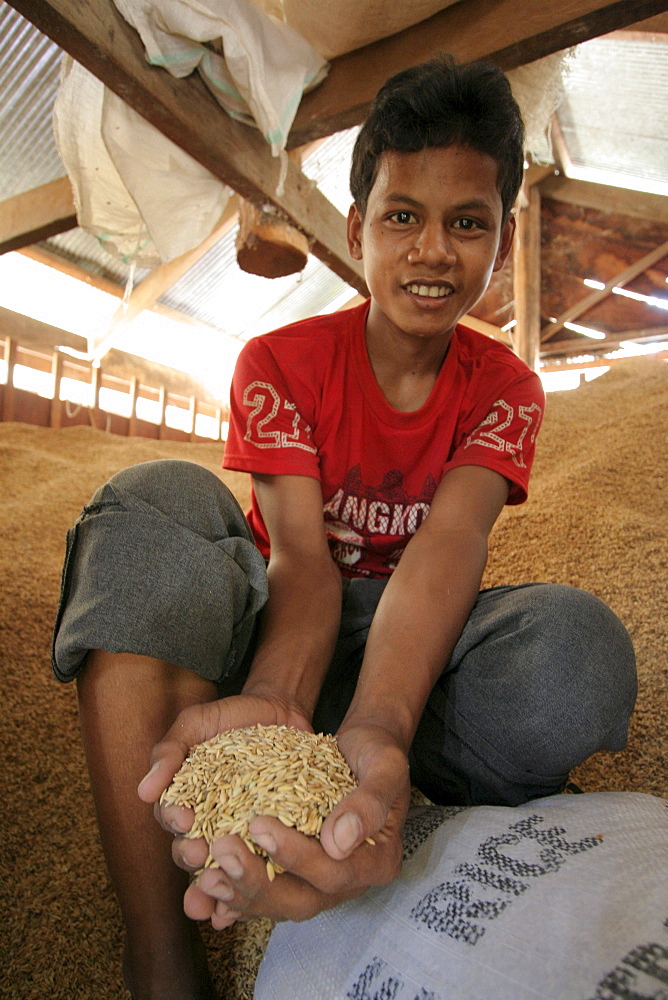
511,33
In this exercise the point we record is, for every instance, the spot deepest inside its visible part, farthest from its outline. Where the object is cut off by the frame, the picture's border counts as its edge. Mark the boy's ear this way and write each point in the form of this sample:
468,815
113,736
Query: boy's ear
505,243
354,232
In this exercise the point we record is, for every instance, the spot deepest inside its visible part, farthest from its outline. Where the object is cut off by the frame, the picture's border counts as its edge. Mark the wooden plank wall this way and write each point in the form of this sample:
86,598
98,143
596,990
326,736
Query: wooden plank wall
23,406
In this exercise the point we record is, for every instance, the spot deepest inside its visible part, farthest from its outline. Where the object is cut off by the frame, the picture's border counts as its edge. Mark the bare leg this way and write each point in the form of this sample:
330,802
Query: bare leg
126,704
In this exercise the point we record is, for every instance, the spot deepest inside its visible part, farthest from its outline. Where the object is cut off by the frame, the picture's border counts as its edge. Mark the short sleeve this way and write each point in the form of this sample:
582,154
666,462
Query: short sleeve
268,432
500,433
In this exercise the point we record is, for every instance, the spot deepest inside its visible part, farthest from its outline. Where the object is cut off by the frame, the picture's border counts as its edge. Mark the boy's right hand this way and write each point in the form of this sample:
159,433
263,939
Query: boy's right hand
319,874
194,725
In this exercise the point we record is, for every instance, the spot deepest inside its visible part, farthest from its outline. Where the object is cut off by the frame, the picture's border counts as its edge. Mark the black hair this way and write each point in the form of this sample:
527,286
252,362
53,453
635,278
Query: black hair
443,103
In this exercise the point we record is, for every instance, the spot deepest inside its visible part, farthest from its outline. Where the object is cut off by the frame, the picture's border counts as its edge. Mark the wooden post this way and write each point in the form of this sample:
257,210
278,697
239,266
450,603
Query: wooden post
96,384
526,277
219,423
56,416
193,416
134,388
162,402
8,399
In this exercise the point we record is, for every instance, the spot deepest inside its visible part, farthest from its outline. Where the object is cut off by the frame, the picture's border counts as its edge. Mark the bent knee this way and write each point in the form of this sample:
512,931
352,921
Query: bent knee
183,491
581,685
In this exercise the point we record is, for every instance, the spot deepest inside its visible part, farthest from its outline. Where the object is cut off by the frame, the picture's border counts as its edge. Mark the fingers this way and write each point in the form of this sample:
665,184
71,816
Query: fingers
377,808
305,858
242,890
191,855
193,725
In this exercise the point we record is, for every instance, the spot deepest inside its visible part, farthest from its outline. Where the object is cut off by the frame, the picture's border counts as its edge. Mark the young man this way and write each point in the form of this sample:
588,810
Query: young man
383,442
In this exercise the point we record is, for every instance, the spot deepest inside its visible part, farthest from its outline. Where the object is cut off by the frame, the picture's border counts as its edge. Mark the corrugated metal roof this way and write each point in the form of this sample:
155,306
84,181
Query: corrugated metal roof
613,115
82,248
29,75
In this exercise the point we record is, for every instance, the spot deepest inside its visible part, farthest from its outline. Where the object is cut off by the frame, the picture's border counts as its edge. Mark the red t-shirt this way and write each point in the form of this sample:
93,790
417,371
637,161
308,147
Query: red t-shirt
305,402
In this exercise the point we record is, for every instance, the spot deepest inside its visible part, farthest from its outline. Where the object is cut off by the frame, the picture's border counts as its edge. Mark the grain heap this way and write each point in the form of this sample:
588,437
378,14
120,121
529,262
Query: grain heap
260,771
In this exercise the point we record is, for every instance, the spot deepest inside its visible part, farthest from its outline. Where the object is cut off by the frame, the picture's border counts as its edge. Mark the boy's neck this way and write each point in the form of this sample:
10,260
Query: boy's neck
405,367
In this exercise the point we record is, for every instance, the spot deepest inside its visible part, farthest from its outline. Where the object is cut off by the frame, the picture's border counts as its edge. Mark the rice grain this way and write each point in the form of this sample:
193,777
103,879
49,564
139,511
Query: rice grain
296,776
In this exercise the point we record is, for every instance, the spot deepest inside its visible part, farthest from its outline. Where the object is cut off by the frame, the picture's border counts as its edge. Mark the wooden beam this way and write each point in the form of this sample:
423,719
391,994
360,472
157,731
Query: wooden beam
608,362
526,277
33,333
155,284
495,332
618,281
35,215
582,345
98,37
510,33
604,198
111,288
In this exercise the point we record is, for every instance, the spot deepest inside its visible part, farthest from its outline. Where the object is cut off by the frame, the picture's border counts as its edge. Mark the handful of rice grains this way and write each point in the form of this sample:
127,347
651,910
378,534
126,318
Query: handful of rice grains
260,771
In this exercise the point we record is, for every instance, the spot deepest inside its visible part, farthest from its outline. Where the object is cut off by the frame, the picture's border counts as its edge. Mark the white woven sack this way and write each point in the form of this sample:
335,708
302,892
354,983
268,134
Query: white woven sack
144,199
265,69
337,26
564,898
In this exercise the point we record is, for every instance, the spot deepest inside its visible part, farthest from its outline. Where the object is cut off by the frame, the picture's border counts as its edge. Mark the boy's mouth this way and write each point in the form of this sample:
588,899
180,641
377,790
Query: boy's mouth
430,291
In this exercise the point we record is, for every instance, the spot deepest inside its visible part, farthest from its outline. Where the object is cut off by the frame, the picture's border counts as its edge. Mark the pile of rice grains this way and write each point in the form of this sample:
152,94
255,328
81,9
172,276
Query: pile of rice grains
260,771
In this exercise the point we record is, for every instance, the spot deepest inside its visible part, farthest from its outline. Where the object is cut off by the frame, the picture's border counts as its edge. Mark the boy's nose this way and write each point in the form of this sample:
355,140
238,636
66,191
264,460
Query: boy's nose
433,247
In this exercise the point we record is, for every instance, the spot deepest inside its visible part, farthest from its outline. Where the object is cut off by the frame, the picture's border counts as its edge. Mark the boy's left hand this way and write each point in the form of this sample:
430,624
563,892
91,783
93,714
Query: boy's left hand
319,874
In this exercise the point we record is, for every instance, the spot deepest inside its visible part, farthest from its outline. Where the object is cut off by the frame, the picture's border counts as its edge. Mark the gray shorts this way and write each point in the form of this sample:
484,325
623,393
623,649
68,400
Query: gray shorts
162,563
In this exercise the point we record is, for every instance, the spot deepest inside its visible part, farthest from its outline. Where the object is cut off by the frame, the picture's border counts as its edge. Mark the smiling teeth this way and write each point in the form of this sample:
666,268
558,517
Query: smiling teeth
431,291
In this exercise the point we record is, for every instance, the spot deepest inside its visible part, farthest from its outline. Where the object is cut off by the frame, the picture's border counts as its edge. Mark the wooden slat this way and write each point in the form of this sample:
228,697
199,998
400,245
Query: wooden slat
495,332
583,345
598,363
507,32
604,198
10,352
33,333
37,214
621,279
98,37
157,283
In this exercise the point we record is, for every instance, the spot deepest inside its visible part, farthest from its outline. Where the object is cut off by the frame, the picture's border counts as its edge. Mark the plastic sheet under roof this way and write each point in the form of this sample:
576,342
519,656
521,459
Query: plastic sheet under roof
613,115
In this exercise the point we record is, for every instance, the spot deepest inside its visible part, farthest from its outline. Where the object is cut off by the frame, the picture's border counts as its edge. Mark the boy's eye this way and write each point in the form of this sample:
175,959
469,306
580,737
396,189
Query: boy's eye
403,217
467,224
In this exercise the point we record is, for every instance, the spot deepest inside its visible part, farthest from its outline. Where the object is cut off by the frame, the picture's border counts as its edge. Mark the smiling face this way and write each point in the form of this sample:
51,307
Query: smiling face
430,239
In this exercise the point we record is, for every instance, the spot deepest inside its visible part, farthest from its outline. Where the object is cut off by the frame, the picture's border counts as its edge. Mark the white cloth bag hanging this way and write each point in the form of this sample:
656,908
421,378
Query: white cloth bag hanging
264,67
138,193
144,198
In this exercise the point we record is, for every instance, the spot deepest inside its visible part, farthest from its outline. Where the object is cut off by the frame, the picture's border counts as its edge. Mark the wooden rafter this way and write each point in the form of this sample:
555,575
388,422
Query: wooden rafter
37,214
157,283
604,198
621,279
43,256
503,31
35,334
582,344
98,37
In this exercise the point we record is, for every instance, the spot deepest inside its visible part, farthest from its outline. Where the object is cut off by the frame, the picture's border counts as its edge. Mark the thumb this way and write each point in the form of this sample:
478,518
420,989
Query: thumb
368,810
153,783
168,755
